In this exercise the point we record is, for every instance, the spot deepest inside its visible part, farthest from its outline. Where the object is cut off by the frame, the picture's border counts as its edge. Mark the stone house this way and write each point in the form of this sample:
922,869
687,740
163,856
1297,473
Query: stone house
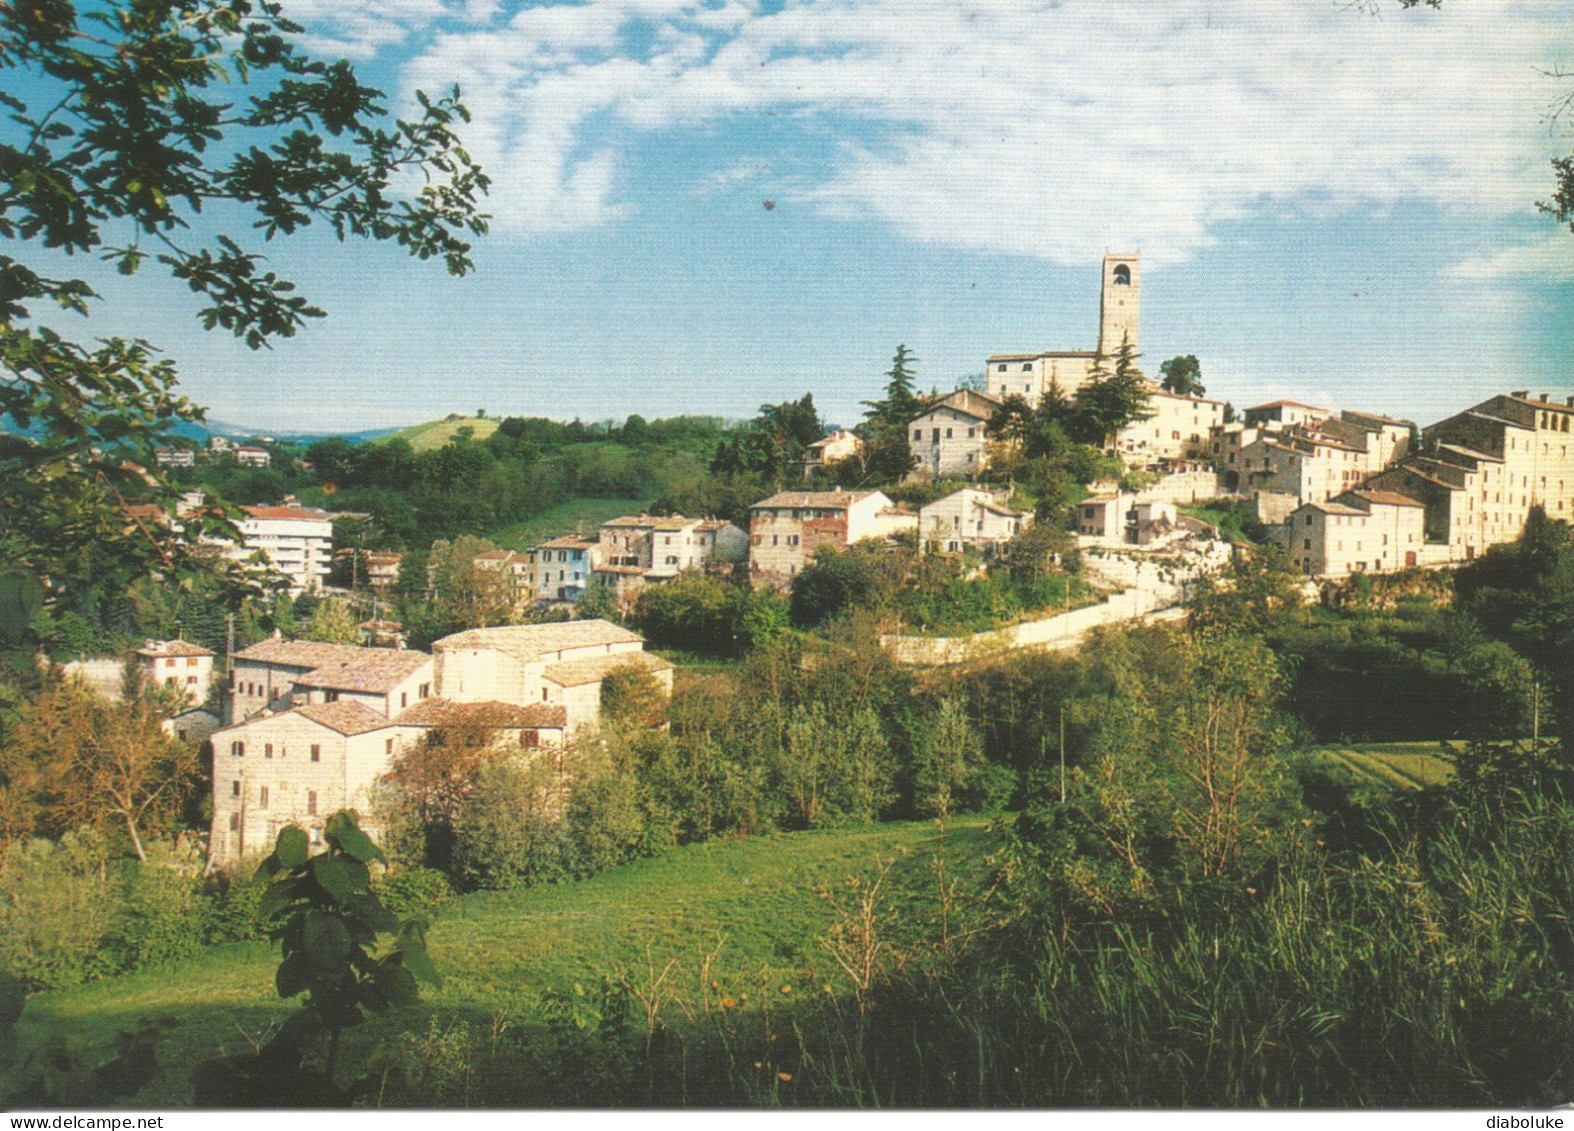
179,666
969,518
277,674
948,438
564,566
785,529
1179,428
1361,531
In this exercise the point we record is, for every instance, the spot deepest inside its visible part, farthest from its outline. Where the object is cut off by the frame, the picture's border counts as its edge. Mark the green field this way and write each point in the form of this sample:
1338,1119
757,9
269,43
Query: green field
437,433
755,905
1408,765
577,516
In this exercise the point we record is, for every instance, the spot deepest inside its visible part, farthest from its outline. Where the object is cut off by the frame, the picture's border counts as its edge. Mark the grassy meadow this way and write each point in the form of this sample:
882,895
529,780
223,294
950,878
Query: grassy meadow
434,434
738,919
578,515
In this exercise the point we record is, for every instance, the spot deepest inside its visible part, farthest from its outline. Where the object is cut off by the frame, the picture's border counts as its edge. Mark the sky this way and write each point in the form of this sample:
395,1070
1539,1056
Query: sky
702,207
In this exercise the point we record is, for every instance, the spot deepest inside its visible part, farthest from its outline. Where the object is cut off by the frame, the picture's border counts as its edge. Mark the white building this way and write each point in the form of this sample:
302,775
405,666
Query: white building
1029,375
948,437
1361,531
179,666
563,567
969,518
1179,428
275,675
296,541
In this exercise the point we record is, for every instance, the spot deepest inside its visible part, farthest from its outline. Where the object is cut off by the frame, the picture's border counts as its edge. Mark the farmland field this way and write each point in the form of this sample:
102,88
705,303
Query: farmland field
1408,765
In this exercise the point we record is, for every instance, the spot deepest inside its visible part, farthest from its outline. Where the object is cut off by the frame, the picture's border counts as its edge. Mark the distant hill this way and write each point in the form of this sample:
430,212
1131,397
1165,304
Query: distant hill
436,433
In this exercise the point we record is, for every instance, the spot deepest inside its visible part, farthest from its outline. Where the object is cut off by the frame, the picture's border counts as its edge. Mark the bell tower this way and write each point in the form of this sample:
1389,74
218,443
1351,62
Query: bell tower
1119,301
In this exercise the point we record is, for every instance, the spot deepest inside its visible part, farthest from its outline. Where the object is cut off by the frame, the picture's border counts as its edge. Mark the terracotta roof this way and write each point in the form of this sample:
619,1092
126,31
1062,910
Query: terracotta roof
1286,404
966,402
488,714
1002,509
1042,353
158,648
378,671
1549,405
307,654
1334,508
629,520
287,514
828,499
346,716
1386,498
630,571
566,542
1469,453
713,524
574,673
529,642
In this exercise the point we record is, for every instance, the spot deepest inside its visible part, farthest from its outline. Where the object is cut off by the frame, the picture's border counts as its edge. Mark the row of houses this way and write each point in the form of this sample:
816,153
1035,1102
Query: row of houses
313,728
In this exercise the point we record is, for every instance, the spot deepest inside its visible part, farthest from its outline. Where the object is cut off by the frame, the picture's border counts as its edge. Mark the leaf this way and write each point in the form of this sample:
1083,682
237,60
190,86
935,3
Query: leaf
326,942
293,976
292,847
397,984
353,842
334,879
279,895
370,911
412,951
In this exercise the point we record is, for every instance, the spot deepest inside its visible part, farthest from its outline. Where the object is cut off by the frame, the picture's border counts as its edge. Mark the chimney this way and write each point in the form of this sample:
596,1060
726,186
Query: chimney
1520,393
1543,398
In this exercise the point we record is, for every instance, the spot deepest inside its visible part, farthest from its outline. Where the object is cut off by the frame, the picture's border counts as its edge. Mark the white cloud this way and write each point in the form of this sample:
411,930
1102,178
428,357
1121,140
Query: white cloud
1048,129
1552,258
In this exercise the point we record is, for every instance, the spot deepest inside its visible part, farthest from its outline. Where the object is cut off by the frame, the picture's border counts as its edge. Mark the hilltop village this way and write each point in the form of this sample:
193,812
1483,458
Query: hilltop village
301,728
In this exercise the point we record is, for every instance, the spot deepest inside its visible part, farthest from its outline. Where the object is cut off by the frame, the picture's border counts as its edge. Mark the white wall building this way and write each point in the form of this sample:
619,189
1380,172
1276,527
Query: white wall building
969,518
948,438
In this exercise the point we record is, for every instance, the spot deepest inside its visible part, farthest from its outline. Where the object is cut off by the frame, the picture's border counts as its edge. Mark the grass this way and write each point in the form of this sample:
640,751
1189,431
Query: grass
573,517
1408,765
437,433
753,901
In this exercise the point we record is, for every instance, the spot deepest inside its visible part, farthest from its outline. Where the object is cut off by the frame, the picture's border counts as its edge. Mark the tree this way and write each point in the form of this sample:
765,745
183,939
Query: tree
887,458
129,119
1182,376
332,622
1113,399
76,759
899,405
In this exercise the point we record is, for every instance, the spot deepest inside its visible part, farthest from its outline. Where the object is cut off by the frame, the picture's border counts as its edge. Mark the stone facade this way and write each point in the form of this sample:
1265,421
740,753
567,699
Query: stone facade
1362,531
948,438
785,529
1179,428
178,666
969,518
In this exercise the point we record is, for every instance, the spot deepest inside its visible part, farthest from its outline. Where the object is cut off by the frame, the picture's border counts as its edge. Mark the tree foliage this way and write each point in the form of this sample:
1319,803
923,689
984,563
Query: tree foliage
1182,376
134,124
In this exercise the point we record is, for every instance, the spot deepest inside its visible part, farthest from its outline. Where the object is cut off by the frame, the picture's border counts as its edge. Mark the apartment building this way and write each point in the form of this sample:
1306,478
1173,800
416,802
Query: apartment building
296,541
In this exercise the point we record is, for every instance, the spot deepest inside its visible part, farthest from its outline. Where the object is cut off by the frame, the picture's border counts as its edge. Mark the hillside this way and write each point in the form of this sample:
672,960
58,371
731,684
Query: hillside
435,433
752,904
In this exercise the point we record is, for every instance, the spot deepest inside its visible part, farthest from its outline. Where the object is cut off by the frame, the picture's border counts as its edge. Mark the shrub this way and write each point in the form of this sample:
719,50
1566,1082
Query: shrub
414,891
60,901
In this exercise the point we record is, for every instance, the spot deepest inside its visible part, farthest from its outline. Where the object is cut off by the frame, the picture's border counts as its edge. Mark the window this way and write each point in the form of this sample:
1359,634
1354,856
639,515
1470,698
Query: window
235,788
1027,367
948,433
1306,543
234,822
918,433
316,752
970,432
191,681
935,437
330,696
1001,368
191,662
388,747
238,749
530,739
311,803
262,798
426,691
1122,275
404,698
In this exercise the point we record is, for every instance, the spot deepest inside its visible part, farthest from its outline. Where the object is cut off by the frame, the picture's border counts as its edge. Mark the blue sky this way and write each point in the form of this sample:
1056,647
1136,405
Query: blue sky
1331,205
